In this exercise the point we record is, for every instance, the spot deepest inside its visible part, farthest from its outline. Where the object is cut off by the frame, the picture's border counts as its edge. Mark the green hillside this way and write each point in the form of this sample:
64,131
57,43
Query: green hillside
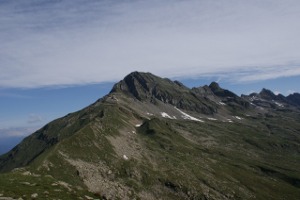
152,138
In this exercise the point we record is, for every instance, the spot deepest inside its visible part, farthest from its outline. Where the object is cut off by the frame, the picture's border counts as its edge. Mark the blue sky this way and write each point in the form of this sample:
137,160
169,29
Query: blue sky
58,56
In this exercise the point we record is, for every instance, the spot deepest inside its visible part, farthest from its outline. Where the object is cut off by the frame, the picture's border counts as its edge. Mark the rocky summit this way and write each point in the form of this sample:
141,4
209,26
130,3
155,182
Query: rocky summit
153,138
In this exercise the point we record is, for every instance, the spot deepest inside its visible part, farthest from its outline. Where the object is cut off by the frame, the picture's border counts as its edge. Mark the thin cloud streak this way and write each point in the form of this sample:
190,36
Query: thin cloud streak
77,42
16,132
34,119
272,73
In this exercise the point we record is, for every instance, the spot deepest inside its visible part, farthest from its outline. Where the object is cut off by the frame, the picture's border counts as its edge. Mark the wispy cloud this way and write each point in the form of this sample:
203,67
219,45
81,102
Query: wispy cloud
290,92
13,95
16,132
34,118
48,43
254,73
277,92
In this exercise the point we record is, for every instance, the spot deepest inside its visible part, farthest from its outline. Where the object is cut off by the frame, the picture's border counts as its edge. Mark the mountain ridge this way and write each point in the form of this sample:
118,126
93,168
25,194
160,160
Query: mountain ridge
152,138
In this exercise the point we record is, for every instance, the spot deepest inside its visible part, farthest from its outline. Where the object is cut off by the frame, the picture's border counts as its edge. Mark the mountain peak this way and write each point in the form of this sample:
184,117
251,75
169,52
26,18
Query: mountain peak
214,86
137,75
267,94
136,84
217,90
148,87
144,86
294,99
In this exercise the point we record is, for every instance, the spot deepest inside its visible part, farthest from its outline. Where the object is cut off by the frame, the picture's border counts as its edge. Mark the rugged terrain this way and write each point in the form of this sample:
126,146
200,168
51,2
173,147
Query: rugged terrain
153,138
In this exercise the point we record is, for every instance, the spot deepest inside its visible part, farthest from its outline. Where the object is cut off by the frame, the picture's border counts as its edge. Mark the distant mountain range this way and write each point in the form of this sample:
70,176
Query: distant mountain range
153,138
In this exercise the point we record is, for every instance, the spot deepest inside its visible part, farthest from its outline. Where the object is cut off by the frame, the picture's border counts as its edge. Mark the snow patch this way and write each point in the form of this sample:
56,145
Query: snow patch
237,117
212,119
221,103
166,115
186,116
229,120
88,197
279,104
125,157
253,98
150,114
138,125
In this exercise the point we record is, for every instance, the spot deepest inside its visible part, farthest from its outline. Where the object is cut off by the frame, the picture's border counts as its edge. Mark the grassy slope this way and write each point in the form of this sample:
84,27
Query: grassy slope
213,160
256,158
